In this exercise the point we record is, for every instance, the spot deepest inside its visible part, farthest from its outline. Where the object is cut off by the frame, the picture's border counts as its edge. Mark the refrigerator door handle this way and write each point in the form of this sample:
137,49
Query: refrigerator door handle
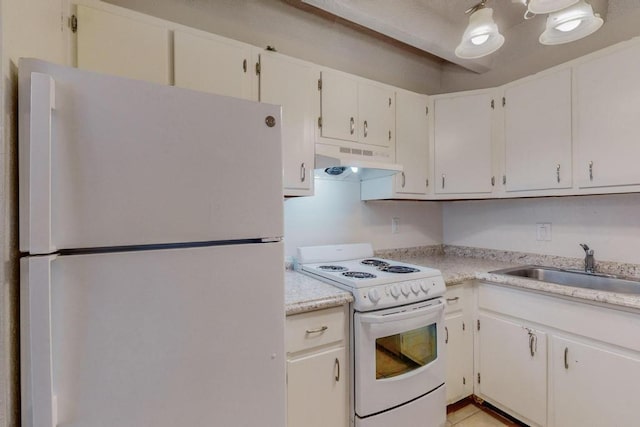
42,103
39,403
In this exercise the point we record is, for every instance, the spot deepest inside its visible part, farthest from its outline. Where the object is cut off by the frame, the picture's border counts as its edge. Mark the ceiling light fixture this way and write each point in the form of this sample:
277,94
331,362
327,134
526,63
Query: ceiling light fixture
570,24
568,20
481,37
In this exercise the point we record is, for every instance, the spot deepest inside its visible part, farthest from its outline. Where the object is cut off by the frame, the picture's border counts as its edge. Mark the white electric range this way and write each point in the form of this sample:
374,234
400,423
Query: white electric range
397,334
376,283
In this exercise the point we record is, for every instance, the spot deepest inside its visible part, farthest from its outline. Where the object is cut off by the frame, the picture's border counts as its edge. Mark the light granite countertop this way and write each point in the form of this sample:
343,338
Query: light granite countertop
459,265
303,293
462,264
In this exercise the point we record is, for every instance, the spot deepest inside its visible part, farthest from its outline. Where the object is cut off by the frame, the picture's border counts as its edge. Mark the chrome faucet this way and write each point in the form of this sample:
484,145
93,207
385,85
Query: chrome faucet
589,261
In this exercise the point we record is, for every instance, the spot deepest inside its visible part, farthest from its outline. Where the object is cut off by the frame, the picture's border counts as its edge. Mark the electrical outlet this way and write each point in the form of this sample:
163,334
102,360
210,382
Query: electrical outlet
543,231
395,225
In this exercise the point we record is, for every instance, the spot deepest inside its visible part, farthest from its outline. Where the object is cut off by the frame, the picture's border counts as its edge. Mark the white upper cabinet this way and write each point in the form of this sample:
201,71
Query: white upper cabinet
412,142
110,43
538,133
462,143
606,118
357,110
376,110
339,103
293,84
214,64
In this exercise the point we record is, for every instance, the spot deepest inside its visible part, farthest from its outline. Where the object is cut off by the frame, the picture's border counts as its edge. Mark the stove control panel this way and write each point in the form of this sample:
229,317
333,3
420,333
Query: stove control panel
400,293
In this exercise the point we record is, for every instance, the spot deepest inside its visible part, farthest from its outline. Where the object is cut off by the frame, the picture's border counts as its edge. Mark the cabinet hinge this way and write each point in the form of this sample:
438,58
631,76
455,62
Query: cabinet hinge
319,122
504,179
493,104
258,68
478,377
504,101
463,326
464,381
478,324
319,84
73,23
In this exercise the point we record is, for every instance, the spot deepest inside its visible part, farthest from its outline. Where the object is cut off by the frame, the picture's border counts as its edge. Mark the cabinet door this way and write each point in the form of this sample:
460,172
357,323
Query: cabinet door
593,386
513,367
376,110
607,112
317,390
339,103
462,139
459,358
412,138
213,64
538,133
122,46
292,84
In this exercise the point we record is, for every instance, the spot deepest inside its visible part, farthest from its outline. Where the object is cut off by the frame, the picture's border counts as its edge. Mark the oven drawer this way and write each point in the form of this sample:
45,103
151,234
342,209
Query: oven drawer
316,328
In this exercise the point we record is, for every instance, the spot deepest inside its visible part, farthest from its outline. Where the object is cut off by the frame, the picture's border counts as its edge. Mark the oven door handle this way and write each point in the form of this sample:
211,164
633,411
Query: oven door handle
402,315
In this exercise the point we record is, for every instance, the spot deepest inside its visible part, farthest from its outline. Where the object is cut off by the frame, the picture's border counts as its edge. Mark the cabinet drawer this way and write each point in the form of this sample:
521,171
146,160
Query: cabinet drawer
316,328
454,299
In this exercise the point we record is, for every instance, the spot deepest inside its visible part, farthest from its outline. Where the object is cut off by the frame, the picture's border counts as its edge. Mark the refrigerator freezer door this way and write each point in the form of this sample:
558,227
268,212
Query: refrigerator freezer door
179,337
108,161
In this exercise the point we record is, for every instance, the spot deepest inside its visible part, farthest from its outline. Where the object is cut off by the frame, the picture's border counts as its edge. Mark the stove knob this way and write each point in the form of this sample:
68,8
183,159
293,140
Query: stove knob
395,292
374,296
425,287
415,288
405,290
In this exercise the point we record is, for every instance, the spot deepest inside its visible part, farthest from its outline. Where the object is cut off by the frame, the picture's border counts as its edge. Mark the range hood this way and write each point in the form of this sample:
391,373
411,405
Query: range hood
350,169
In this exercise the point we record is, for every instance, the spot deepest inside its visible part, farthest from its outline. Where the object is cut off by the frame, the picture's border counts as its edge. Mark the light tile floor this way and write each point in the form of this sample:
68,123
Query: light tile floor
473,415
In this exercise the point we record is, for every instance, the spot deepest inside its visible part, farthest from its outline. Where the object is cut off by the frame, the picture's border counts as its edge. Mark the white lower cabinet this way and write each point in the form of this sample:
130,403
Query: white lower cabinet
592,385
512,367
317,369
550,361
459,343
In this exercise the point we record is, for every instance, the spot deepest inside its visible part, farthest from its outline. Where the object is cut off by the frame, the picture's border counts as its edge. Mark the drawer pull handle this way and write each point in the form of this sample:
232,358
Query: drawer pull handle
337,365
446,330
454,299
566,356
317,330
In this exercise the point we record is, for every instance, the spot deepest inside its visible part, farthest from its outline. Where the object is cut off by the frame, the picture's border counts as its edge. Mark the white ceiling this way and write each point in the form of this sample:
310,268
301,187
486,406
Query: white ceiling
434,26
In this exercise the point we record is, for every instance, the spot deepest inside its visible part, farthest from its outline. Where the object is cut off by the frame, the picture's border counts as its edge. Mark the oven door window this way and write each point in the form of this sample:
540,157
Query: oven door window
404,352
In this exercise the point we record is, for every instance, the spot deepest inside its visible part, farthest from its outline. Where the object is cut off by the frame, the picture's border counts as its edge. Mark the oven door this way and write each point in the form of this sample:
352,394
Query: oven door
398,355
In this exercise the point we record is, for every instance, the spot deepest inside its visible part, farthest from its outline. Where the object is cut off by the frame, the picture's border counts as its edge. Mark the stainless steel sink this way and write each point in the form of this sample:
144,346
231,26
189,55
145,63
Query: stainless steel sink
576,278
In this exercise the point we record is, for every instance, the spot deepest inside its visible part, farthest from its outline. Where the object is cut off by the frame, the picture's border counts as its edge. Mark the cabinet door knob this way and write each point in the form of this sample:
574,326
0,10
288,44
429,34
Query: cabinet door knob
352,125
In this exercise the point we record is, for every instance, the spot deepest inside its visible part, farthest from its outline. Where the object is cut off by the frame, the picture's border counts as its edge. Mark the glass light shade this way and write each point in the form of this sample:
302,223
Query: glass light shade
570,24
541,7
481,37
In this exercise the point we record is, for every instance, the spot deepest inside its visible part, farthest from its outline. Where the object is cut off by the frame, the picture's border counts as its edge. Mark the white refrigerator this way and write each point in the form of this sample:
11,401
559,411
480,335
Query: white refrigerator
151,281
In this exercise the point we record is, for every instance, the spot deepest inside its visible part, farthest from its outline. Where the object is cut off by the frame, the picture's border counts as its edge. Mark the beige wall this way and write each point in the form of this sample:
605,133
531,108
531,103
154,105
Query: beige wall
299,34
609,224
28,28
